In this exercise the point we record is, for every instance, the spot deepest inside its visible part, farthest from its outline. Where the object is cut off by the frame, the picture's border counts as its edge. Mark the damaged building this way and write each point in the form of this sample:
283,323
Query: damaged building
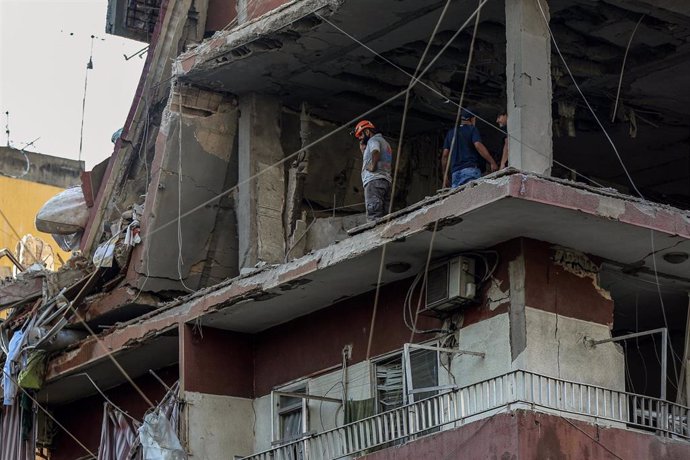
227,297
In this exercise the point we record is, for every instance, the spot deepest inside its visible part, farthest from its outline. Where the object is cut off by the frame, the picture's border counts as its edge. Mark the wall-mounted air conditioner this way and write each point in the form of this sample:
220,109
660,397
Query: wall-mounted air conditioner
451,284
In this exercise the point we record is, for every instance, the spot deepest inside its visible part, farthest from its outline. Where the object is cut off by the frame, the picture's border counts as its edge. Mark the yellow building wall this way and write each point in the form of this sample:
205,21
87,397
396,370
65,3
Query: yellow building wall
20,201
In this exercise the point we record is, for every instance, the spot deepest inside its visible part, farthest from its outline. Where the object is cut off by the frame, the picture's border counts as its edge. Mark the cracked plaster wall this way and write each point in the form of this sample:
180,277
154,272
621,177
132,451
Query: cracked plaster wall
208,149
535,315
563,304
217,426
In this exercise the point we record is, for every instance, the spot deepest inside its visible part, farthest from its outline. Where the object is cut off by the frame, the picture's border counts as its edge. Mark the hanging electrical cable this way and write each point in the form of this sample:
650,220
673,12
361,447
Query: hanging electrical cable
89,66
674,355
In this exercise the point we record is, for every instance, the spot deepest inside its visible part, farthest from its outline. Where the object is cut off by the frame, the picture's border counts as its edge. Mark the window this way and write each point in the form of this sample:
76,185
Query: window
389,383
290,420
423,374
292,415
396,385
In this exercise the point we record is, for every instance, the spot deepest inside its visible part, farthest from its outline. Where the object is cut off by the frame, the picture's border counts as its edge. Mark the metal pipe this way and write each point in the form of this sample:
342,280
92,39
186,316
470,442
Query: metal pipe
664,346
448,350
664,362
307,396
629,336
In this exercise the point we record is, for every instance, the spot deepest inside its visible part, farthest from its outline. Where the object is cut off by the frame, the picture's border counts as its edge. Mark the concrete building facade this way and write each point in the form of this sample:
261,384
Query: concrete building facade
245,282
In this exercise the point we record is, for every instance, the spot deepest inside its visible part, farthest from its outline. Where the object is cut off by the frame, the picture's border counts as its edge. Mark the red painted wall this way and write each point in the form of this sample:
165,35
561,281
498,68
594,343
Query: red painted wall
548,286
258,8
552,288
314,342
220,14
529,435
83,418
216,361
507,251
225,364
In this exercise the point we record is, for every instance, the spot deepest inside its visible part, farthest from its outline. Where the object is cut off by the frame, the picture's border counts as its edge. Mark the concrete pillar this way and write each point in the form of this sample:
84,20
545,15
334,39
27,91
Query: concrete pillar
528,73
261,200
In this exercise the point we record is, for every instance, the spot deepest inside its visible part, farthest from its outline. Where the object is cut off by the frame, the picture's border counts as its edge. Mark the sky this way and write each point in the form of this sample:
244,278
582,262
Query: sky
44,49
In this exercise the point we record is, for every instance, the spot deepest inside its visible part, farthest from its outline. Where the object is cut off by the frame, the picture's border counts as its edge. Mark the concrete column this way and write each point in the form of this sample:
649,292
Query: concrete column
262,199
528,73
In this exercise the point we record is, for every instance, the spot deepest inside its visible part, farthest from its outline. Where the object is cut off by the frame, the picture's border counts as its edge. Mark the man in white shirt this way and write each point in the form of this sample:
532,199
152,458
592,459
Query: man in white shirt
377,160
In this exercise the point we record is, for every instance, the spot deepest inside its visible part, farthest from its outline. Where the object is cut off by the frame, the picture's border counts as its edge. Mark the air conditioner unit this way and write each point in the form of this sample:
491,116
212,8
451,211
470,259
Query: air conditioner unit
451,284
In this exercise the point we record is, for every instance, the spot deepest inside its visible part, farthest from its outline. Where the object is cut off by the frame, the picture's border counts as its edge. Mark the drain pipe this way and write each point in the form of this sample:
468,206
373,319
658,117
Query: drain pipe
347,354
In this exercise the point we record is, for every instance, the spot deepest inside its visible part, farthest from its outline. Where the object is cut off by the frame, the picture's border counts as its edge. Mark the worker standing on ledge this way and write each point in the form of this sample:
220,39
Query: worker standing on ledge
377,158
467,149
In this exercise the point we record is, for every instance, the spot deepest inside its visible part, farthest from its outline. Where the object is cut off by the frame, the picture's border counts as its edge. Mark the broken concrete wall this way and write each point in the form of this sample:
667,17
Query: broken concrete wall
328,230
419,169
333,164
490,336
328,177
205,140
556,347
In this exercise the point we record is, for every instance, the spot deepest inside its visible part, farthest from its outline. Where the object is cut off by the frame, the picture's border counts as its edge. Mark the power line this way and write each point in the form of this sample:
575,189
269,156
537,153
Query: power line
447,169
591,437
625,58
98,339
447,100
89,66
45,411
395,175
625,170
180,260
327,135
19,238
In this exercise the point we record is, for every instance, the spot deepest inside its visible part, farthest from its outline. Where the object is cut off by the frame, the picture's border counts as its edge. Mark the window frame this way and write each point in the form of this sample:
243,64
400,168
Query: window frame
408,391
278,412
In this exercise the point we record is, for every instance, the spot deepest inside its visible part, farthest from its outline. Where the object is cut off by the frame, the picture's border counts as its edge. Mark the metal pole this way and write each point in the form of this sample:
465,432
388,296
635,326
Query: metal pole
664,344
447,350
629,336
407,375
664,341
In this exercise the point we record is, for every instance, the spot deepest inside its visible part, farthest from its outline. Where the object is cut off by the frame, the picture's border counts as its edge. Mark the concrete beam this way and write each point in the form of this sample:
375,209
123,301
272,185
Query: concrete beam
261,199
528,73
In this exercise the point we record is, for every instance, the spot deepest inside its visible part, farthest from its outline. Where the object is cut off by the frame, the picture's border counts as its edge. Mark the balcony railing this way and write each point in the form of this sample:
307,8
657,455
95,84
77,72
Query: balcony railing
456,406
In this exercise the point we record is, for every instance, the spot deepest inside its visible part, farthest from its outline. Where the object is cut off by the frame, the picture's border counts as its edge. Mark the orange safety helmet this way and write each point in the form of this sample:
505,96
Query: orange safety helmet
361,126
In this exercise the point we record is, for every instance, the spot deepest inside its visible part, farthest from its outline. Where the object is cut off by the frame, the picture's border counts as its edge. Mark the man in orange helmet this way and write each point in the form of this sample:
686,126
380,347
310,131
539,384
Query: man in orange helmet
377,159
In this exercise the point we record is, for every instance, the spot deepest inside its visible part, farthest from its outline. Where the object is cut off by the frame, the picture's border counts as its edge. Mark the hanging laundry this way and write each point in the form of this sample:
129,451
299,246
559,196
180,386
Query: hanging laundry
11,368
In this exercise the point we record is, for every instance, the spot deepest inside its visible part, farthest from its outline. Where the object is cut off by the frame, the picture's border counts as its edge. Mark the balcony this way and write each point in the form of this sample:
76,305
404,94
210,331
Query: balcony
517,389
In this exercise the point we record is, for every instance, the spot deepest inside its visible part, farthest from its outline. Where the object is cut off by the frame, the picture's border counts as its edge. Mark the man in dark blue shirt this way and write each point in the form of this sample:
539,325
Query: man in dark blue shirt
467,152
502,121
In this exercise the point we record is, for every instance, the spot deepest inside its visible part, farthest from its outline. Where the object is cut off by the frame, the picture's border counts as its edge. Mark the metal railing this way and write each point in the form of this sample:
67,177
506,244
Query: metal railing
456,406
